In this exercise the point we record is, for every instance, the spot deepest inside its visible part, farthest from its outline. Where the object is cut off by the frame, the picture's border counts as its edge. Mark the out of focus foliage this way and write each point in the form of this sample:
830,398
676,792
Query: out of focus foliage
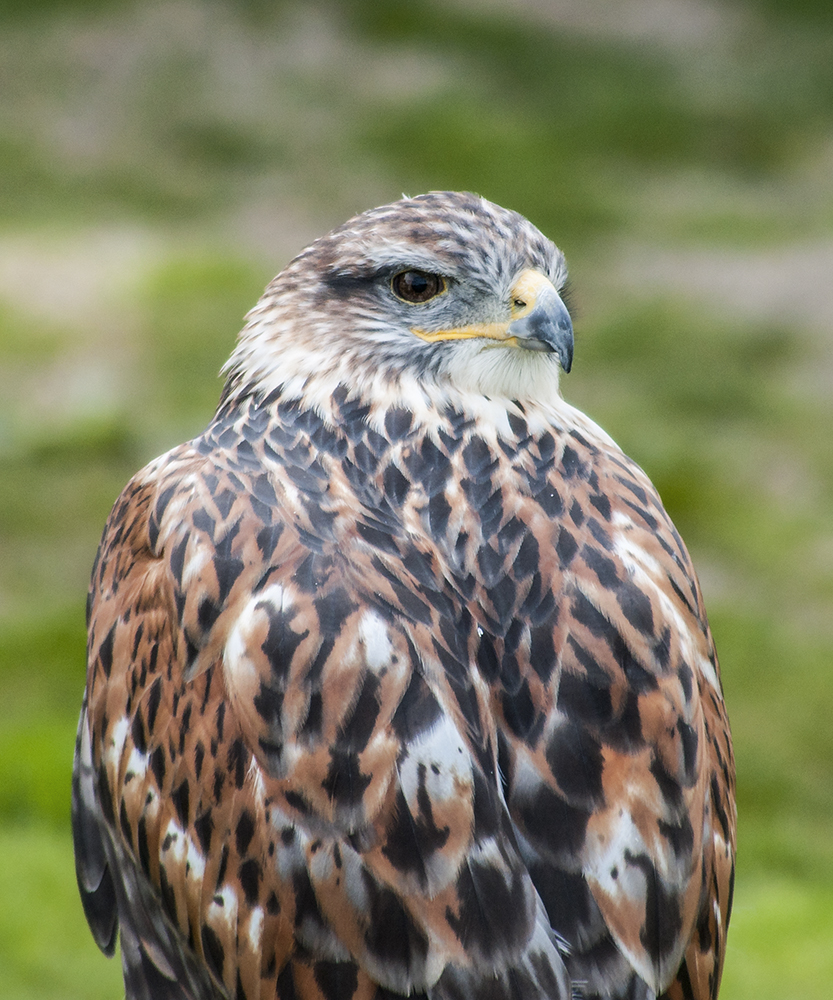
161,160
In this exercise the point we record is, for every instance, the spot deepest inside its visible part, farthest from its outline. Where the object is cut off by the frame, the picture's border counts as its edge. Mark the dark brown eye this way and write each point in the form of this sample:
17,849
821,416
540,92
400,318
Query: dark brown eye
417,286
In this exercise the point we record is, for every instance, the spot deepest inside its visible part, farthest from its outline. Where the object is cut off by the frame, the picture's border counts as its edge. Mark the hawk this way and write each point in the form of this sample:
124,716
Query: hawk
399,675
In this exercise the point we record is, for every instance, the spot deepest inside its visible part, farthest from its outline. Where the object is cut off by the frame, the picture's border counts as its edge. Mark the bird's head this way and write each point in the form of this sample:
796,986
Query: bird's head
445,290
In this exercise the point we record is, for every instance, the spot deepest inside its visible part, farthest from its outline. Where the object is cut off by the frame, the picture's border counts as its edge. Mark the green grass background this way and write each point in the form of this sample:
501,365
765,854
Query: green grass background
162,160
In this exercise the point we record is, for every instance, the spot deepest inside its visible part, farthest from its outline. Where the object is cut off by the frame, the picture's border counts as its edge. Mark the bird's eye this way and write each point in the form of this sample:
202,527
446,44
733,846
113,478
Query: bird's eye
417,286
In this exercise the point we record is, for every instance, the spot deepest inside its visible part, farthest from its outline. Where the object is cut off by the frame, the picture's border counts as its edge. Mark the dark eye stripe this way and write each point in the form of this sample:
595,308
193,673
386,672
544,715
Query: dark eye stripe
417,286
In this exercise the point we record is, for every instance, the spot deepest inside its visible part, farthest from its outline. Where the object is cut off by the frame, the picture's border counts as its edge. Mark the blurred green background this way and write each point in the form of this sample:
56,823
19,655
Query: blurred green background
162,160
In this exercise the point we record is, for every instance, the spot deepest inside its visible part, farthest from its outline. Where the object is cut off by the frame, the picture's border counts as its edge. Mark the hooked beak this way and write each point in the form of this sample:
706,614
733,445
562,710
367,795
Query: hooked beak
543,323
540,322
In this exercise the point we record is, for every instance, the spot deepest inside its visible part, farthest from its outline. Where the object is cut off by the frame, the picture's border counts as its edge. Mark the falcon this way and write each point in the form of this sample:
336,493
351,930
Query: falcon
399,676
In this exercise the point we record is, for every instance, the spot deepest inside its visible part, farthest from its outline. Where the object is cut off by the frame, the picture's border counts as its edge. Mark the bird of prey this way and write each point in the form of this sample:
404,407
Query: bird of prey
399,679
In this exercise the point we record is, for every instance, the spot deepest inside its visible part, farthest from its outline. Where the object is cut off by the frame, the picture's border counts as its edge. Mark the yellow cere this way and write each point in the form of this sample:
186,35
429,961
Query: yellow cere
526,289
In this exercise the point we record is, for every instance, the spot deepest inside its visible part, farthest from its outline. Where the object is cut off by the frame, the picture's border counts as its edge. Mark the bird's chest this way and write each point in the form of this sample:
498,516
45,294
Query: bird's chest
435,486
469,514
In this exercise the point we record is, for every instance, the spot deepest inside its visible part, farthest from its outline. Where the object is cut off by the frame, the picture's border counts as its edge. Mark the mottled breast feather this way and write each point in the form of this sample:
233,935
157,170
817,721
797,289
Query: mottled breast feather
393,699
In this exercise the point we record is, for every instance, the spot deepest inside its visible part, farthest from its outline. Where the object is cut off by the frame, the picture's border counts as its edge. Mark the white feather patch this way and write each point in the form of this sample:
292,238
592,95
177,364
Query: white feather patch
118,734
374,635
442,753
255,928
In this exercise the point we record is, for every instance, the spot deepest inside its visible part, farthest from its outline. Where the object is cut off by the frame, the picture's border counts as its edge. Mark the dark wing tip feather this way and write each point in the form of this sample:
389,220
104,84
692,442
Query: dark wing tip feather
95,882
156,964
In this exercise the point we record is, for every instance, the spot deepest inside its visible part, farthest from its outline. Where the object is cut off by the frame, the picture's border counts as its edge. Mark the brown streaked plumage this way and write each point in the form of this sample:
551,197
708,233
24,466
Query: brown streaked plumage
400,679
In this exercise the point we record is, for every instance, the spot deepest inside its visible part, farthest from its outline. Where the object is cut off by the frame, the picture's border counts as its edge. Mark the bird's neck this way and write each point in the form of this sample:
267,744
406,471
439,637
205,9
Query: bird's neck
405,406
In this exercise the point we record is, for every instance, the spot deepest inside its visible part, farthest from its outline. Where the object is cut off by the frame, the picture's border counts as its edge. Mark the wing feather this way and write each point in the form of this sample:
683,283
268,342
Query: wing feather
278,753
